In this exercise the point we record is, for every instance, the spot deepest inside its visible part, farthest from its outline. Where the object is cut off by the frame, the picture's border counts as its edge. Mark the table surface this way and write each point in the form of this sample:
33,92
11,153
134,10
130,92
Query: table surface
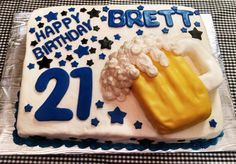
223,13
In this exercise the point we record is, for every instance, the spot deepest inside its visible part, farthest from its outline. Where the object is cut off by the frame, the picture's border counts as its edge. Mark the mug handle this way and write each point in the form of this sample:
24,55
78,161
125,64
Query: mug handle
211,74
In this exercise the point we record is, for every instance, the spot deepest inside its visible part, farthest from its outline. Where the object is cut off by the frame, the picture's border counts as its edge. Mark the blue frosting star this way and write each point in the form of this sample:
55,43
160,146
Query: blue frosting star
117,37
51,16
184,30
95,121
68,47
32,30
105,8
74,64
30,66
81,51
28,108
58,55
138,125
99,104
38,18
139,32
103,18
212,123
175,8
117,116
102,56
62,63
197,24
71,9
165,30
197,12
93,38
140,7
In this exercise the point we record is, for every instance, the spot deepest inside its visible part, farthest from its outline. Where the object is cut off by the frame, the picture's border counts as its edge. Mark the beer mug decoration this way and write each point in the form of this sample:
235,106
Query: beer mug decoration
173,92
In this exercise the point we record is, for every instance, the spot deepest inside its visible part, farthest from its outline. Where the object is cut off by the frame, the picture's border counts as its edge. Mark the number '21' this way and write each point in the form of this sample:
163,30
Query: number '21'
49,111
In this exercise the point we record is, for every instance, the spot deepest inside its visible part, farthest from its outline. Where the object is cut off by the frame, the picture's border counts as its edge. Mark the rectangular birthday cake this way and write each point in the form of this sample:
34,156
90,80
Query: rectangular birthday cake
135,75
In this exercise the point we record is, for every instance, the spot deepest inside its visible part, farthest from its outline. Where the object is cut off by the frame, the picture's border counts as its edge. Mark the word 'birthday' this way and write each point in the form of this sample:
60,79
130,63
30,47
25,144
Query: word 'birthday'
147,18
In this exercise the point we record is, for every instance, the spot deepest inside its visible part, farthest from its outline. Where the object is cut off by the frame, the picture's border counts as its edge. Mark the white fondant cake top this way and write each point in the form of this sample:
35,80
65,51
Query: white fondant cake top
73,37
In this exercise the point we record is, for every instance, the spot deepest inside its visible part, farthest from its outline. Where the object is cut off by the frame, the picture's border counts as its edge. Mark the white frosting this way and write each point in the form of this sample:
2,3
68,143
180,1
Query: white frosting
124,65
27,125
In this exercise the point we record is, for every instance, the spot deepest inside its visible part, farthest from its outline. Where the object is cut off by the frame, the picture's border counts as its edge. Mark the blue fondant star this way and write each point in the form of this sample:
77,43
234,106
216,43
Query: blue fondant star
28,108
102,56
103,18
117,116
99,104
139,32
58,55
184,30
117,37
68,47
71,9
197,24
138,125
51,16
140,7
165,30
105,8
175,8
32,30
212,123
62,63
95,121
38,18
74,64
93,38
81,51
30,66
197,12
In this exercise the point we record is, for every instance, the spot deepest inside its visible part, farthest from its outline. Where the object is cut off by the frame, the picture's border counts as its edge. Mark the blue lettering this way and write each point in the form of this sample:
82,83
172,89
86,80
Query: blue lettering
185,16
150,18
81,29
41,35
131,21
167,14
66,22
64,38
38,53
49,31
76,17
57,25
73,34
50,44
87,24
116,15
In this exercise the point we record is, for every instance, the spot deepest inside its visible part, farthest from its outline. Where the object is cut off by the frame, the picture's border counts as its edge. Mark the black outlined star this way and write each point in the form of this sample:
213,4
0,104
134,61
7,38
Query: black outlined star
105,43
84,41
96,28
69,57
44,63
40,25
90,62
34,43
64,13
196,34
83,10
93,13
92,50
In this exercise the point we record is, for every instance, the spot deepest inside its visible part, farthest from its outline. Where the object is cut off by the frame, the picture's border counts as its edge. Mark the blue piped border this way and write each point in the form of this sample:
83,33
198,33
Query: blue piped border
95,144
